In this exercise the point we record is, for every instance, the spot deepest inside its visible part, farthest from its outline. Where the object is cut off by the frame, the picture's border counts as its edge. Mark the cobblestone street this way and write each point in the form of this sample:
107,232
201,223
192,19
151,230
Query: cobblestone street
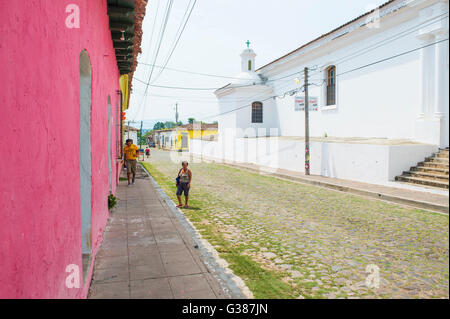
317,242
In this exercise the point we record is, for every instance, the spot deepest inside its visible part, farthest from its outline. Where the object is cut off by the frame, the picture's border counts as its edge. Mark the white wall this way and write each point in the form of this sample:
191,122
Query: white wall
236,111
379,101
370,163
383,100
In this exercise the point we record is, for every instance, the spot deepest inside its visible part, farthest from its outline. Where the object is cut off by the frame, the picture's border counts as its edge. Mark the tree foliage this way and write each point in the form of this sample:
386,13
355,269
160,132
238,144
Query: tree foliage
159,126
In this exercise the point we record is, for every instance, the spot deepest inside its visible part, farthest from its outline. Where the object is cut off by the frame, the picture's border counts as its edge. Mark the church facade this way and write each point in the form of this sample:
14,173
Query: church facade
378,97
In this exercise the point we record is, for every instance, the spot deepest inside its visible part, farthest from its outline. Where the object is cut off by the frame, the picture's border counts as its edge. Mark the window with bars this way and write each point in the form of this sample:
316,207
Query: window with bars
257,112
331,85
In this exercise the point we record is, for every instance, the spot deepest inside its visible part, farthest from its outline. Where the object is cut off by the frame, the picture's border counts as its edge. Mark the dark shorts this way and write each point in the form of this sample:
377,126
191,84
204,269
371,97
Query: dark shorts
183,187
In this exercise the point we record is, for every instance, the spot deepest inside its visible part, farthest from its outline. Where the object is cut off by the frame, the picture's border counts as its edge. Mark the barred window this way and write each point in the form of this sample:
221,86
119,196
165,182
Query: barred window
331,85
257,112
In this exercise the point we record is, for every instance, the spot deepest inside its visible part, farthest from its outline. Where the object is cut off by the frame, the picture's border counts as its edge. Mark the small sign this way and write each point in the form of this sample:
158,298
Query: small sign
300,103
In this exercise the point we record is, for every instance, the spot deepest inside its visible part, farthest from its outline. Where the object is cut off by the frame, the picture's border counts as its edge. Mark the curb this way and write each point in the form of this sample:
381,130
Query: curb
226,278
389,198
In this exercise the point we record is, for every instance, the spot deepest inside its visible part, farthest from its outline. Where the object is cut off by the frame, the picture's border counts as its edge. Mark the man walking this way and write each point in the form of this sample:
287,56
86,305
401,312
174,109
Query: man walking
130,154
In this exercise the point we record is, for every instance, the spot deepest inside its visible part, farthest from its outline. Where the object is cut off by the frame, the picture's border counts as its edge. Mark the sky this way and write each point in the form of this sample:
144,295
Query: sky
213,38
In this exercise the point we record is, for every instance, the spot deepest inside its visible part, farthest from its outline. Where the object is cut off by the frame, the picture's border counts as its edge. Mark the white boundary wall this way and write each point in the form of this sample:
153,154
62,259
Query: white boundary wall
370,163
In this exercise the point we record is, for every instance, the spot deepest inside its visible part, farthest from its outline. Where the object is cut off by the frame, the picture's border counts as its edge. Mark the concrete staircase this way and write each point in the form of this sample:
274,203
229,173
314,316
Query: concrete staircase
431,172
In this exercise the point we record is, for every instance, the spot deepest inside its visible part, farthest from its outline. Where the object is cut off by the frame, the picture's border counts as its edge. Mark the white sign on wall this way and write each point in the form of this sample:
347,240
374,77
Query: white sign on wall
300,103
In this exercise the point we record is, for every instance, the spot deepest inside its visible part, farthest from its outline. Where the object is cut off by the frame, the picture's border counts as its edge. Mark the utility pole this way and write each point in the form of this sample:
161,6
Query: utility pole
140,138
306,124
176,114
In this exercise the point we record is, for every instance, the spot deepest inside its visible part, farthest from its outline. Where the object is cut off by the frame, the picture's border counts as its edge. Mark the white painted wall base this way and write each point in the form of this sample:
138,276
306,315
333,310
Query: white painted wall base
370,163
431,131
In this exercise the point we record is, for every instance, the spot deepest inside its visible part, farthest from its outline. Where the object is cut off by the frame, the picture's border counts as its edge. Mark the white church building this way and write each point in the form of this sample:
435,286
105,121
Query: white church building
378,98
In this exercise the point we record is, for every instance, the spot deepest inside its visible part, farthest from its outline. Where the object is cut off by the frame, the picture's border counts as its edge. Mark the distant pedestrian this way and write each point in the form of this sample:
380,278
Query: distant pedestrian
184,184
147,152
130,154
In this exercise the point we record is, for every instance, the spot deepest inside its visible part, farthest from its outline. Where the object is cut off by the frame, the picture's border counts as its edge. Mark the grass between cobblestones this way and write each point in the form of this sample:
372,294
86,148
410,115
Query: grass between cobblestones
263,283
289,240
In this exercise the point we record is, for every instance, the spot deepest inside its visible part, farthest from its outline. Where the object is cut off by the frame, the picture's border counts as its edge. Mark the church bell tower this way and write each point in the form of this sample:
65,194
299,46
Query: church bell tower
248,59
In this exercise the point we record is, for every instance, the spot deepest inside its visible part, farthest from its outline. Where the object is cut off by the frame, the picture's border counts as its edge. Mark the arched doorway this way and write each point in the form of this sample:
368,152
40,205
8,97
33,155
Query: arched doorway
85,160
109,143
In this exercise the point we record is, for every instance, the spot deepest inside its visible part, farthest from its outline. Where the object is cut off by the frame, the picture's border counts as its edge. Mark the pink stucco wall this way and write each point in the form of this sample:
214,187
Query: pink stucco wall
40,121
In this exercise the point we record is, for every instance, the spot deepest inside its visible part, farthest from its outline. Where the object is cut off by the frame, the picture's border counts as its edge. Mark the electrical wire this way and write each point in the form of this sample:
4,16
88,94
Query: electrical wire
392,57
177,39
153,30
341,60
162,31
378,44
191,72
190,88
346,72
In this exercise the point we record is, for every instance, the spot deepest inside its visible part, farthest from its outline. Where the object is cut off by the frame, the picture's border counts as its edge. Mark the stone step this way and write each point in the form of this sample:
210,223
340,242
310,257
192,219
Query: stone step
429,169
442,155
422,181
433,164
437,160
426,175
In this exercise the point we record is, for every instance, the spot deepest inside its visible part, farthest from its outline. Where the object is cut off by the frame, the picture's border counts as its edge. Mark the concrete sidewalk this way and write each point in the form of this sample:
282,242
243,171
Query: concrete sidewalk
413,198
148,253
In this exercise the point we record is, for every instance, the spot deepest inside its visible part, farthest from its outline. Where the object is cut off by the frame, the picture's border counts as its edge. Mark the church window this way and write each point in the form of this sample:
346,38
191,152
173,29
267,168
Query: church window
249,65
257,112
331,85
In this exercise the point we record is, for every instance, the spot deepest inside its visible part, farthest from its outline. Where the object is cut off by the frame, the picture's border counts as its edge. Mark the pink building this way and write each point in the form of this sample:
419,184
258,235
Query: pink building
61,101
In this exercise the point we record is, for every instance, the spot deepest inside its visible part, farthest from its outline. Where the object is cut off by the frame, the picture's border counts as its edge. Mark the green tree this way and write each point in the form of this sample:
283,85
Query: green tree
191,120
159,126
145,136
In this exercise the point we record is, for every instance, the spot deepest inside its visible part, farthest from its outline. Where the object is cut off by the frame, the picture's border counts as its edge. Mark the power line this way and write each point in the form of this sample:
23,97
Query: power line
371,47
150,43
162,31
178,39
392,57
152,65
395,37
153,29
378,44
257,98
191,72
190,88
346,72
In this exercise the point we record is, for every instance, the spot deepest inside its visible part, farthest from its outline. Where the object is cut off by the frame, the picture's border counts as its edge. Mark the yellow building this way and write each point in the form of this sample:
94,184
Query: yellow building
178,138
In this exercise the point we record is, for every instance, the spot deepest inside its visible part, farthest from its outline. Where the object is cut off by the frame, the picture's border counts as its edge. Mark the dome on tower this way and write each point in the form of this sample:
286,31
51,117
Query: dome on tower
246,78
